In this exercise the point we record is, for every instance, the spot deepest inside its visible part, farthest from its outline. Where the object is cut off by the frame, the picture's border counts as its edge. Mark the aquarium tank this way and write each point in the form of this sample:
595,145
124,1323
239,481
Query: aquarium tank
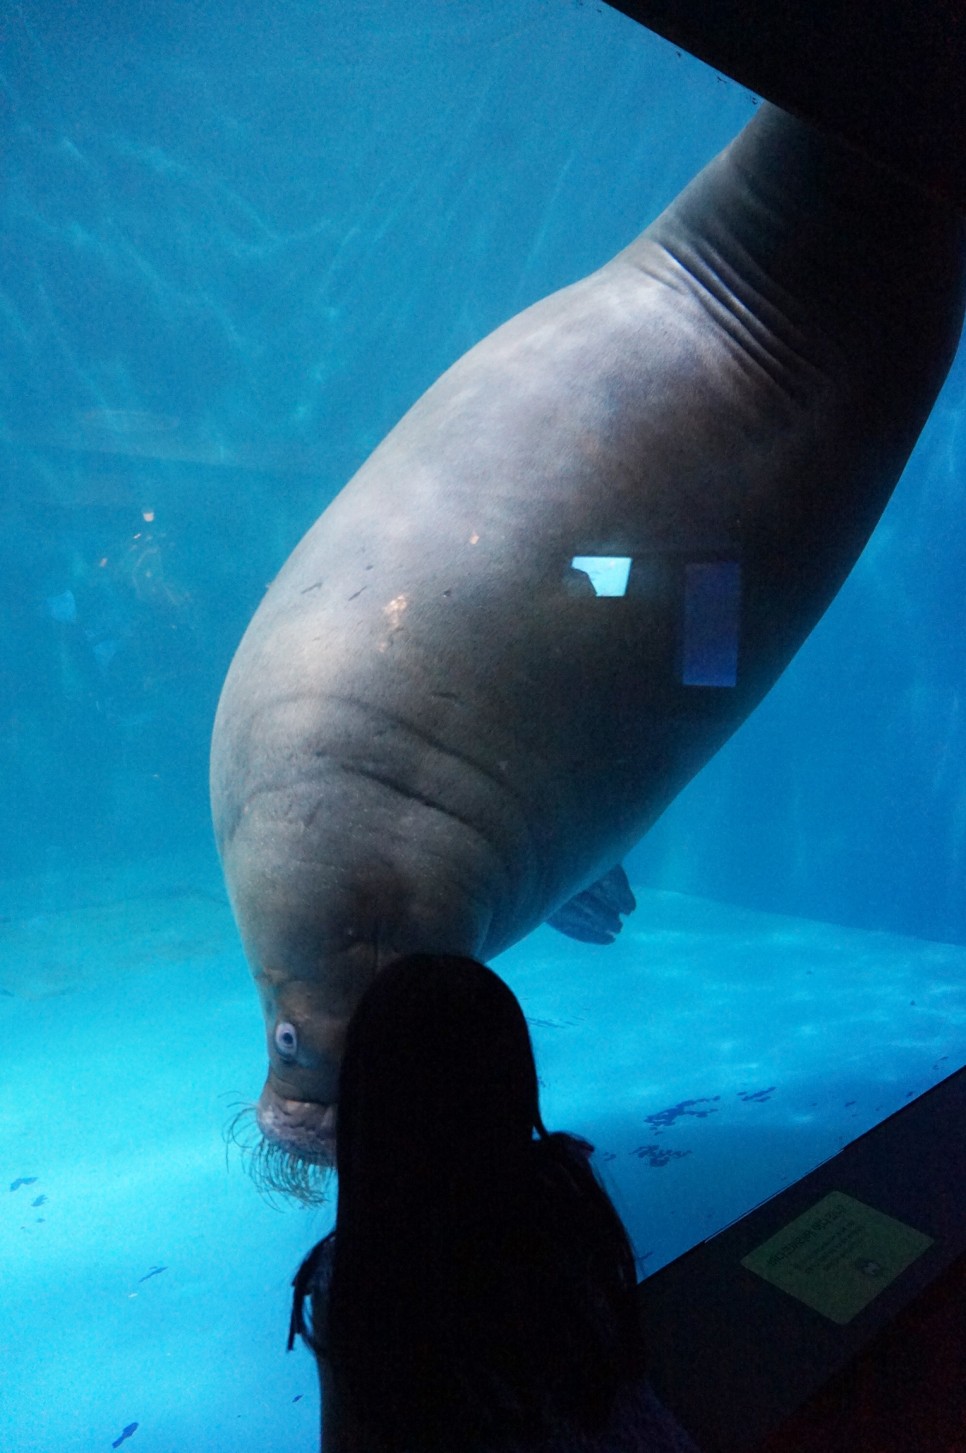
240,240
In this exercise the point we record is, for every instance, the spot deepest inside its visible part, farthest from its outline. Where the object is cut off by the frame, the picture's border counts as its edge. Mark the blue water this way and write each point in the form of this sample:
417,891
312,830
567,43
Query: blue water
240,239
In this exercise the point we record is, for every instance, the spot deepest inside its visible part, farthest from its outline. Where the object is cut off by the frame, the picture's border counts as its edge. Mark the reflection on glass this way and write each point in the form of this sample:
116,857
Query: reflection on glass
711,603
608,573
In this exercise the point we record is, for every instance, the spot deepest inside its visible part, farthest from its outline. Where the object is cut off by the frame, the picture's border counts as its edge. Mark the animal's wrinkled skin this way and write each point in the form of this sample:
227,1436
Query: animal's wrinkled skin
434,733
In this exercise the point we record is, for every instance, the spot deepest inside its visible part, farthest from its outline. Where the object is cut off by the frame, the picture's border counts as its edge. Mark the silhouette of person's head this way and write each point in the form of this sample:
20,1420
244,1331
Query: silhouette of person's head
482,1284
438,1081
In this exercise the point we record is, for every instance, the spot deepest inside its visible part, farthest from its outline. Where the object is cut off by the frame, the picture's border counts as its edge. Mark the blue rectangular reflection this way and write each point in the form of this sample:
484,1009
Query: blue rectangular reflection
608,573
712,592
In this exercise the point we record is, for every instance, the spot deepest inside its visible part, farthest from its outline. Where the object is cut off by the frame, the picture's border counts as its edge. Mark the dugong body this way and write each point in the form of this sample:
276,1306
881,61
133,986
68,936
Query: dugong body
435,731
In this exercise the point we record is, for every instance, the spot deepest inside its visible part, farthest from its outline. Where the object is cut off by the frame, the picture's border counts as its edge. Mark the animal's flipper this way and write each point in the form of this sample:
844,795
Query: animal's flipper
594,915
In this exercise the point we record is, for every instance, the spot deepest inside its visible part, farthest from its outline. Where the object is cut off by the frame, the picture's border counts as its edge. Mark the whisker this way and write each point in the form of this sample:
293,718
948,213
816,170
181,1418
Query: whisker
274,1170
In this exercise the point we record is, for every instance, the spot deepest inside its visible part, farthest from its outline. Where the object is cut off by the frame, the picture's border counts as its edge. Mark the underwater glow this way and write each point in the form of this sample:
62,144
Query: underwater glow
225,281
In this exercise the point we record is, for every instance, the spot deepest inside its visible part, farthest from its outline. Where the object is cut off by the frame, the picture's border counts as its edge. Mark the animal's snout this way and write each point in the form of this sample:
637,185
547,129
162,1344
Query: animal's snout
303,1128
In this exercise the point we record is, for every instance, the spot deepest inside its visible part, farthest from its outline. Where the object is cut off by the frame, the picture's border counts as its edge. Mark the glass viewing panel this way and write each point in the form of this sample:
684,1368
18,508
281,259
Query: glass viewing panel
240,240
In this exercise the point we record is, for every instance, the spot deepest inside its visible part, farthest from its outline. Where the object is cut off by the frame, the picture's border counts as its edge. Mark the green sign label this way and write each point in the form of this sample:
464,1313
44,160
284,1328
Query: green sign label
838,1257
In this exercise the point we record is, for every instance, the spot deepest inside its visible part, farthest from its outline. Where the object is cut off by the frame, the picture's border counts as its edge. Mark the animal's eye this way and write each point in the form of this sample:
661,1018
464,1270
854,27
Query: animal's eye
286,1040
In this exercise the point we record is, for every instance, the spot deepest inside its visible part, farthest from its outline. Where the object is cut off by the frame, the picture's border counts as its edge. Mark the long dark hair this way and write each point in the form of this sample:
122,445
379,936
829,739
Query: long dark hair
482,1285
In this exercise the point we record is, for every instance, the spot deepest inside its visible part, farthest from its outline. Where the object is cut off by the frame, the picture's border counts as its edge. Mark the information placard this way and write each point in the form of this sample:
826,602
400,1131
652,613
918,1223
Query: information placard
838,1256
